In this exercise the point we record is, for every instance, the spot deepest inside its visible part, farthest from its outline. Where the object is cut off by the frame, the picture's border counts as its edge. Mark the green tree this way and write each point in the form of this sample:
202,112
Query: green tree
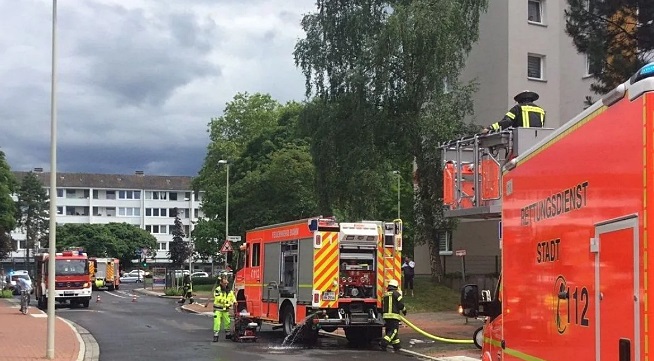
117,240
33,210
617,36
378,69
180,250
7,207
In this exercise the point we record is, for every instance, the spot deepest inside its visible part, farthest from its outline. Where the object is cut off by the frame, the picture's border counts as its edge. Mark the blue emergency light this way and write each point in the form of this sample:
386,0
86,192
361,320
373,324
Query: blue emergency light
644,72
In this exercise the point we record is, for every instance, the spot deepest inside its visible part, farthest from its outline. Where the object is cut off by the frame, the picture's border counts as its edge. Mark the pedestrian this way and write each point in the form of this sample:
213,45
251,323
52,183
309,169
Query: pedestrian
391,307
187,287
408,269
223,300
525,114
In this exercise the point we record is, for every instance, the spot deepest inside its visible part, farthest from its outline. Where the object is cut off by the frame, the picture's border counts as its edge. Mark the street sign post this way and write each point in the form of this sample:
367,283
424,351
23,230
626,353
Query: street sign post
462,253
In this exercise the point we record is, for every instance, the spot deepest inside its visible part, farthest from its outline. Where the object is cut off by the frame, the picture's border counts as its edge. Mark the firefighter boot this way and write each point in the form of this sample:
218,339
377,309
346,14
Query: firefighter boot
181,301
383,344
215,336
396,345
190,301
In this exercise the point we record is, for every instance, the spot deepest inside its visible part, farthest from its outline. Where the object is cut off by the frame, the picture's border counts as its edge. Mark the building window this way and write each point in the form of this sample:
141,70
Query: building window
535,67
163,246
60,193
148,195
60,210
445,243
129,194
591,66
173,196
535,11
95,194
111,195
187,196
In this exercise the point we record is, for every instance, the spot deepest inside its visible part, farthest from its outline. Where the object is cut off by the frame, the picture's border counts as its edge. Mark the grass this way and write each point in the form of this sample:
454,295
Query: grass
173,292
430,297
6,294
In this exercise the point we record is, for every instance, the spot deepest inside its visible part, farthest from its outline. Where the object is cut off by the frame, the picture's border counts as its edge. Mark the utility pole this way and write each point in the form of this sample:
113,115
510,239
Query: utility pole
397,172
52,250
226,163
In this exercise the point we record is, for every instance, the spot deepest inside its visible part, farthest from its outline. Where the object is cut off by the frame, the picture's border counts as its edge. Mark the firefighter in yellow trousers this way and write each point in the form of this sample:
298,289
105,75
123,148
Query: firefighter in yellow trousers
223,300
391,307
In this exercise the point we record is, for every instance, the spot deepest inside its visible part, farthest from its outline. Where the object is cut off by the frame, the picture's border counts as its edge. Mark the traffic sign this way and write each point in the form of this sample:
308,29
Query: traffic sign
227,247
460,252
234,238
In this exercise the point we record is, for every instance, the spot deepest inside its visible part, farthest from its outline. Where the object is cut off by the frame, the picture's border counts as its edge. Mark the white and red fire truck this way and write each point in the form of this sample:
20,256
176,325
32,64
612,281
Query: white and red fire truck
321,274
72,278
575,210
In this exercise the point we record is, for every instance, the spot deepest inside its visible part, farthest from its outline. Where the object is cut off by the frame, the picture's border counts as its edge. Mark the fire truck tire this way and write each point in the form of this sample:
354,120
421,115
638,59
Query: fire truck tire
329,329
112,287
288,320
85,304
478,337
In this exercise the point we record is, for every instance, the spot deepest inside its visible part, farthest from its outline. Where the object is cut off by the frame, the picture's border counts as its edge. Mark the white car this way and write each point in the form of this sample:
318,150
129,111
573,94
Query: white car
13,281
135,273
199,274
127,278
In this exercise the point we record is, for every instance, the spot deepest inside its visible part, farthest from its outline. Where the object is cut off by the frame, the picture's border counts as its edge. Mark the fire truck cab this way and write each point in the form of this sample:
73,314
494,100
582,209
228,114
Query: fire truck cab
320,274
72,278
574,205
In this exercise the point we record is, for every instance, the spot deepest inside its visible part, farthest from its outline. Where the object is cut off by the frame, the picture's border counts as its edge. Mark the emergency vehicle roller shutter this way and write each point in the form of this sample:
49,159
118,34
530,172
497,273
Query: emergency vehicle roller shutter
325,271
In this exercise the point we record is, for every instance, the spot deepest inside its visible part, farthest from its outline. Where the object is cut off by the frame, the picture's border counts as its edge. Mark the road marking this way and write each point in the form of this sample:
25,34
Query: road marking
114,294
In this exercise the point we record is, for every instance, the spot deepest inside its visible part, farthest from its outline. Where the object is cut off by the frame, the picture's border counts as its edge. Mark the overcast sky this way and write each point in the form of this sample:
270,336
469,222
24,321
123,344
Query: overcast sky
138,81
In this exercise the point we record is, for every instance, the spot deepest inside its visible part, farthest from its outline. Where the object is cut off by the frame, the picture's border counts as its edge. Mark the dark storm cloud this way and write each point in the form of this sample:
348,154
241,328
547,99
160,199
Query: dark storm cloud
140,58
138,80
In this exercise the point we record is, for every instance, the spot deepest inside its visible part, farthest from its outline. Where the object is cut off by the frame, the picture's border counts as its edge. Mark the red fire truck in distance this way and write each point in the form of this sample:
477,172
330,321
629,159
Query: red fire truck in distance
575,239
72,278
321,274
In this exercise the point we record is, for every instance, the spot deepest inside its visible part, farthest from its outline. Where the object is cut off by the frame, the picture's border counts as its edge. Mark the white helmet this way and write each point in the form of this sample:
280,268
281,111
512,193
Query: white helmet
393,283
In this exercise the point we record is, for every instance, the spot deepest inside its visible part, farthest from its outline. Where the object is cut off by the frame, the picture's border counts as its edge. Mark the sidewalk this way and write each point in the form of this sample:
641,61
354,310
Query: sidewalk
26,336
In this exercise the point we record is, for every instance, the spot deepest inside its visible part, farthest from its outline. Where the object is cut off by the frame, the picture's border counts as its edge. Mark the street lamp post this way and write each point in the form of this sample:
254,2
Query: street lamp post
50,347
226,163
397,172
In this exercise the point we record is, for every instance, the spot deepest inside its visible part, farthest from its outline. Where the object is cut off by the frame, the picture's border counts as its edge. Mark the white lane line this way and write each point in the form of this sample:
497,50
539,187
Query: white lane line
114,294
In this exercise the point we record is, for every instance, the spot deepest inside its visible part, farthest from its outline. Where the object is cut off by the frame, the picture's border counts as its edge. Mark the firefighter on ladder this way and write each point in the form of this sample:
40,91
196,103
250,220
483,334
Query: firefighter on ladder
223,300
525,114
391,307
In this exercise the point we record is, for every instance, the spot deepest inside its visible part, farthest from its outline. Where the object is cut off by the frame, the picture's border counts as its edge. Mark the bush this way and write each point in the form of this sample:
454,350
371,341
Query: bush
6,294
173,292
203,281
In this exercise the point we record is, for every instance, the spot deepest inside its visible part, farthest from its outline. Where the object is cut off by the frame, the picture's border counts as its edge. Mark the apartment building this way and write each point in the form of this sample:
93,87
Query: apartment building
522,45
147,201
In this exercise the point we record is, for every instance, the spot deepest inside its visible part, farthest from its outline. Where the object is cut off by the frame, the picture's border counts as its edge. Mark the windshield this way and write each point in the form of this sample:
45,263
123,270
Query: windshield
70,267
16,277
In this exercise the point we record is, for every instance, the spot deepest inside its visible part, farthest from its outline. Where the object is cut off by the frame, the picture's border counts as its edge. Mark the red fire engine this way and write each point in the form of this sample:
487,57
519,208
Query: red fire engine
324,274
574,206
72,278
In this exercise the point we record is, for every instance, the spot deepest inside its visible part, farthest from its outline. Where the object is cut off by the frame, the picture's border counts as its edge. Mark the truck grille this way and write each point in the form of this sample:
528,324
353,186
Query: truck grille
64,285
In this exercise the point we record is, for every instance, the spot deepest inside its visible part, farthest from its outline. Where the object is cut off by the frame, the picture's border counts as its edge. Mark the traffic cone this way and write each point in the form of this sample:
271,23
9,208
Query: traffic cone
98,300
133,298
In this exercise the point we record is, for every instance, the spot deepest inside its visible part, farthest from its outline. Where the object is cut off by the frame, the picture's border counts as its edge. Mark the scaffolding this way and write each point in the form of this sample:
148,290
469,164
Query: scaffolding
472,170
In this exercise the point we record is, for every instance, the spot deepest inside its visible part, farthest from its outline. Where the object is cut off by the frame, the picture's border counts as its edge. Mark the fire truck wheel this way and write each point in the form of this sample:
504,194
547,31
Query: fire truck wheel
329,329
85,304
478,337
288,320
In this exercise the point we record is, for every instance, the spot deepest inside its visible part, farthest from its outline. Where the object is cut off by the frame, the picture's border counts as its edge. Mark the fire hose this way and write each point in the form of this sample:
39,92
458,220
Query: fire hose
434,337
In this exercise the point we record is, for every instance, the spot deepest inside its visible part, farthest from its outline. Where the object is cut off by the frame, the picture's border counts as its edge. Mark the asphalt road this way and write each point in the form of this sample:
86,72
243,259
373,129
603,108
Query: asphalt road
154,328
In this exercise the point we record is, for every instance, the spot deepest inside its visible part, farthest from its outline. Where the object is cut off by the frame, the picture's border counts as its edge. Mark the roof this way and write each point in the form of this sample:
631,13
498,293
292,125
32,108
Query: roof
113,181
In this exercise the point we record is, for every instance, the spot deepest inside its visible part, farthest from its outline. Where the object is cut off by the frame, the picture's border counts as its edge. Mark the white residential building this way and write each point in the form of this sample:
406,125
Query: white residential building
147,201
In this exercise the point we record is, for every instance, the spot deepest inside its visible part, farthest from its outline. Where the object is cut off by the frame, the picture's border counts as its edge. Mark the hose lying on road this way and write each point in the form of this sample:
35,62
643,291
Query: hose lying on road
434,337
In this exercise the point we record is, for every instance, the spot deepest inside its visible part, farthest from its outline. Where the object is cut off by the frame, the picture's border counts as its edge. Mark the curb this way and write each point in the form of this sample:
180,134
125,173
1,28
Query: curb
186,309
89,350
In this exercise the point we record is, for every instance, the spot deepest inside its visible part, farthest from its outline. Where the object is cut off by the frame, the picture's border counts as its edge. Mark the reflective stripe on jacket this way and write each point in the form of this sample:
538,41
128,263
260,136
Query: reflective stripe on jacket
526,115
223,300
392,304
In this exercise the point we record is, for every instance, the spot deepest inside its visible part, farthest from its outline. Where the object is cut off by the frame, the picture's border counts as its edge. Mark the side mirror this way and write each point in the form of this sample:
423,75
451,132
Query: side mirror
470,301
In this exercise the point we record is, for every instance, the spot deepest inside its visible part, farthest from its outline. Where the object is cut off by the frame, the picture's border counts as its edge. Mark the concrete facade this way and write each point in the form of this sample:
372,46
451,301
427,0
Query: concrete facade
498,62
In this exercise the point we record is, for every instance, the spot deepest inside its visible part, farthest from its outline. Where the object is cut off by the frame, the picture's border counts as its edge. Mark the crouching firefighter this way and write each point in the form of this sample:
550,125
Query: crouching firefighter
223,300
391,307
187,287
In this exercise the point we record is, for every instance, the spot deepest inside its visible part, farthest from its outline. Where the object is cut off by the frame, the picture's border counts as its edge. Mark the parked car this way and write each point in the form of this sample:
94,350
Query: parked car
127,278
136,273
199,274
179,273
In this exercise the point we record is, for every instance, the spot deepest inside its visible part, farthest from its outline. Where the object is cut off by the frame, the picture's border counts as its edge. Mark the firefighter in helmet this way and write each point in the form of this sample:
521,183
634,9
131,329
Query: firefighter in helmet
525,114
391,307
187,287
223,300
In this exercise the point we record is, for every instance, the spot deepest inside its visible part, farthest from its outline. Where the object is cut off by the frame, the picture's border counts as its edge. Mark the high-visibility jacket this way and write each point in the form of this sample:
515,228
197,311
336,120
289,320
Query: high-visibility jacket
526,115
223,300
392,305
188,287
